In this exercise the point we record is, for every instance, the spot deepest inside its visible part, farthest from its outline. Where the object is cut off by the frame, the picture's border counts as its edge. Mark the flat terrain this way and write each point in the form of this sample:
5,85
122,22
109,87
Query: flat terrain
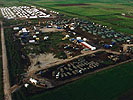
106,85
45,59
94,87
103,13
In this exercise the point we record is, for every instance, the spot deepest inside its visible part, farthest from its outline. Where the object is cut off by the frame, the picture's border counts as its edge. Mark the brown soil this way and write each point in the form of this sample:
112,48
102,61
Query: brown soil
129,16
51,30
44,59
115,19
73,4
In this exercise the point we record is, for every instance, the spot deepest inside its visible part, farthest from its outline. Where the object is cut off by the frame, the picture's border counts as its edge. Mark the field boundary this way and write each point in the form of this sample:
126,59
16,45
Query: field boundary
6,83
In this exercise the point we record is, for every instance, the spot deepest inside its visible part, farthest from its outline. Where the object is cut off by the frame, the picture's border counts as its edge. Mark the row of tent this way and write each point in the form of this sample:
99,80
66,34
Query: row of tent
104,32
74,68
95,29
23,12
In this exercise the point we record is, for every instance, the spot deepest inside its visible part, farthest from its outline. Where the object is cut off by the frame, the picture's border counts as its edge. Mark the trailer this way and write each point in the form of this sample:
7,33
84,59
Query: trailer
88,46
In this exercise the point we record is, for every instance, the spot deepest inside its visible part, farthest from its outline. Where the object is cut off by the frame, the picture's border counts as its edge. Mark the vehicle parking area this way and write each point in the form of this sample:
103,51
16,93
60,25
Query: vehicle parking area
24,12
81,65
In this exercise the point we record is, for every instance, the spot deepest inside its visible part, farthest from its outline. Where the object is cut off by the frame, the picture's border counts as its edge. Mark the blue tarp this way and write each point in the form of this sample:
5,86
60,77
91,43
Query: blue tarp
79,41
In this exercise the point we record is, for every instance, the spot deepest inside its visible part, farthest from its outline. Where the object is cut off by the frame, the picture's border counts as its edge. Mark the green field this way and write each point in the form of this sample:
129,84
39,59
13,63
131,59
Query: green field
105,85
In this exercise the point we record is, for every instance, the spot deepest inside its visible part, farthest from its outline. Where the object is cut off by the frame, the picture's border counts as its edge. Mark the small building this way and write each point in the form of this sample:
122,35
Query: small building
46,37
26,85
84,39
79,41
33,81
37,39
49,26
37,32
16,28
78,38
107,46
71,28
34,36
31,41
67,36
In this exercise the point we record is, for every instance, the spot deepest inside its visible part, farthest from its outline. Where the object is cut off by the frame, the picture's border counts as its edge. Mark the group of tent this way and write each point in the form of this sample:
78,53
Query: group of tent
23,12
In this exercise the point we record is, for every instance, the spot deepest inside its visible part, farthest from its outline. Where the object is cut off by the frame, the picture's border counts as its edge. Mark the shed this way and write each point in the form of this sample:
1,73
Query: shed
78,38
84,39
16,28
31,41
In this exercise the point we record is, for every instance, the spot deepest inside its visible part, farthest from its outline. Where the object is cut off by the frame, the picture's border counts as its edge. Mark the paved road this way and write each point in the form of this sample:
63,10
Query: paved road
6,83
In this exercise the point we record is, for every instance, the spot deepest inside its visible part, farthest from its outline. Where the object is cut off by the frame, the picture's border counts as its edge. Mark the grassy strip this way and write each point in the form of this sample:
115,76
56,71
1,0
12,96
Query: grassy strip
15,64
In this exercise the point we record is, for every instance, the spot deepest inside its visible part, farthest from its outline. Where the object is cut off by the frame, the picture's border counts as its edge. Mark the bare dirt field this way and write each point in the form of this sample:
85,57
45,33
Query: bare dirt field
125,46
43,59
51,30
129,16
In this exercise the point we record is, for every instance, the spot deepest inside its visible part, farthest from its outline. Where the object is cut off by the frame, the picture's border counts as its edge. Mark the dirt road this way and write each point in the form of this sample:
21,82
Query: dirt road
6,83
30,73
125,47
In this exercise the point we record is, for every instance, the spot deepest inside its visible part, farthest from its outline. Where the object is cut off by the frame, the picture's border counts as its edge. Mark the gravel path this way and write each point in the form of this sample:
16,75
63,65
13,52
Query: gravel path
6,82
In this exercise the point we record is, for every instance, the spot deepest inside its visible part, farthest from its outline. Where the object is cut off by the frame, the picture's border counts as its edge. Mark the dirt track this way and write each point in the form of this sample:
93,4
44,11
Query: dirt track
30,73
125,46
6,83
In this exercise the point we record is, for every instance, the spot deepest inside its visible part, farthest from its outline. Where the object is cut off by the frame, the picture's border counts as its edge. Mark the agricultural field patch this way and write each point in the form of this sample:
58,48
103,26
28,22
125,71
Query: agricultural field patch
127,95
73,4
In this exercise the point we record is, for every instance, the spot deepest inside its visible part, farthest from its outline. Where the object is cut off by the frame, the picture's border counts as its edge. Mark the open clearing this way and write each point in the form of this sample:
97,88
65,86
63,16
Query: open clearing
44,59
51,30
